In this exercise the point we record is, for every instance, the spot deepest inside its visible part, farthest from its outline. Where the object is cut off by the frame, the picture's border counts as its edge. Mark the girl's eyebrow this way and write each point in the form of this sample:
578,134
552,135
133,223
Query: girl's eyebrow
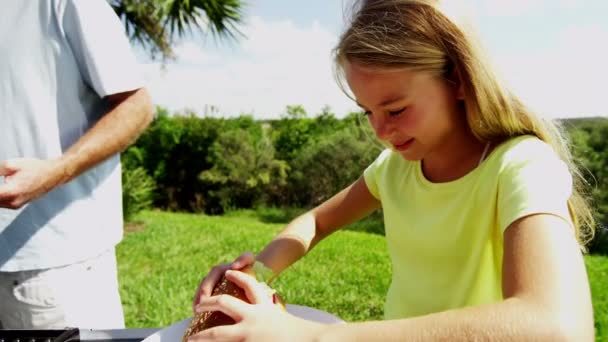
386,102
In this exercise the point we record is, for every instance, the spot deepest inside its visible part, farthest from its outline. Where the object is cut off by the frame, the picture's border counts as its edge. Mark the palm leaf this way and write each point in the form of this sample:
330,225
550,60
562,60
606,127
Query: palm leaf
156,23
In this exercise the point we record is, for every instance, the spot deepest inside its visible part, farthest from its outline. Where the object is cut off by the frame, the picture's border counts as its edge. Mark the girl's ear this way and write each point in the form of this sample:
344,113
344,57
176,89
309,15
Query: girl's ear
459,89
454,77
456,81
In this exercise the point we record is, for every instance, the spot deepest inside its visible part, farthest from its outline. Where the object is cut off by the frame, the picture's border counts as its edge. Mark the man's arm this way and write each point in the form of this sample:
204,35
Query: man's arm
27,179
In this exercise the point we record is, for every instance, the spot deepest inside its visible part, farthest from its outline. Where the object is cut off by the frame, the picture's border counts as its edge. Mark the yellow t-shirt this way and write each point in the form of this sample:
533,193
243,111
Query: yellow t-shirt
445,240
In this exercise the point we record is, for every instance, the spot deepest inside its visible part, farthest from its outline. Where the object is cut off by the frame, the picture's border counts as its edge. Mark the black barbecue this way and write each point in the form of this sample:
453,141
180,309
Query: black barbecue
74,334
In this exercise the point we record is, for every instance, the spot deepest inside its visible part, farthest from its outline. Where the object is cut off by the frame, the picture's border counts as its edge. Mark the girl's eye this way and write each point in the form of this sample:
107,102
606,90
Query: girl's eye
367,113
396,112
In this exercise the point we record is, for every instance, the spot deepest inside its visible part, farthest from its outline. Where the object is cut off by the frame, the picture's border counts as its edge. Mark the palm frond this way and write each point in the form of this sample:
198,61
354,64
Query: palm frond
156,23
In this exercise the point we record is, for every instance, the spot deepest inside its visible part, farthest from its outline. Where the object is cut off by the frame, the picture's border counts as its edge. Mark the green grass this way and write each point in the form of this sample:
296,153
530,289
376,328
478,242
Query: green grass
597,268
161,264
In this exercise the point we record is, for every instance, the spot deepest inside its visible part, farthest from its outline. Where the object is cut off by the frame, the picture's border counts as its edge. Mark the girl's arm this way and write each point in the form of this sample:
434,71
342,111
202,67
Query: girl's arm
300,235
304,232
546,291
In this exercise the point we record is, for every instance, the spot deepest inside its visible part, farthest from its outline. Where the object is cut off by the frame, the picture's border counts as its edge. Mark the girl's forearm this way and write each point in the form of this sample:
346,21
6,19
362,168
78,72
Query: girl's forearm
291,244
510,320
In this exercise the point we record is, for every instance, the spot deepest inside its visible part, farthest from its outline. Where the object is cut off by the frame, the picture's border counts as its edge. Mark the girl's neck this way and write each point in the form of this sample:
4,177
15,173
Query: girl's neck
453,159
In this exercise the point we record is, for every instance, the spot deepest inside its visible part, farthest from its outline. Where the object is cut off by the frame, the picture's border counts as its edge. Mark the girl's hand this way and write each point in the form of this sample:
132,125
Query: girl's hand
261,321
206,286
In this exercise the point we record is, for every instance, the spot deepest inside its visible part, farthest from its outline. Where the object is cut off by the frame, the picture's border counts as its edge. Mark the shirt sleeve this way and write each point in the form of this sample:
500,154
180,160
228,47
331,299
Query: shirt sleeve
539,183
100,46
370,174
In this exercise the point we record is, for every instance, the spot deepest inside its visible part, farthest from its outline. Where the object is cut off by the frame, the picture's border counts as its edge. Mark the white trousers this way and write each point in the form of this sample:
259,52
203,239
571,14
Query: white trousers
82,295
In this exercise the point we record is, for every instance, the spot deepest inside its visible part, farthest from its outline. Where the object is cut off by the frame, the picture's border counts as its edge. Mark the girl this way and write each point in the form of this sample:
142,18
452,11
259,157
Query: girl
483,220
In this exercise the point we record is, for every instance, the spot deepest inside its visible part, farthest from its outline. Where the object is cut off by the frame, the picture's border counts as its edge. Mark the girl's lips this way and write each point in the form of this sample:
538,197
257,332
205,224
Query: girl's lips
405,145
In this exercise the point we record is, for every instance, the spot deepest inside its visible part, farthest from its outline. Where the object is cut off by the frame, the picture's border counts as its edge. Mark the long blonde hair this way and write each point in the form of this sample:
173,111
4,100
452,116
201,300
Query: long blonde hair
417,35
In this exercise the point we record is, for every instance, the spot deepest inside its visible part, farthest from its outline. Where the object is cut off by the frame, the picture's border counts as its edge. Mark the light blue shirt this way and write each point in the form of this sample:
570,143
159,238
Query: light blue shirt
58,60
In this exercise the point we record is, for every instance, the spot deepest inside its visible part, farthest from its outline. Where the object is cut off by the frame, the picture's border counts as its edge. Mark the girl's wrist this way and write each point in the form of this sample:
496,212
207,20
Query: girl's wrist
262,272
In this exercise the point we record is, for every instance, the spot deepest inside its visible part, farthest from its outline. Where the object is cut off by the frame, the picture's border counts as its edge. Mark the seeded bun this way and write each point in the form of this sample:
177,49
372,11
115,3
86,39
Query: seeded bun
210,319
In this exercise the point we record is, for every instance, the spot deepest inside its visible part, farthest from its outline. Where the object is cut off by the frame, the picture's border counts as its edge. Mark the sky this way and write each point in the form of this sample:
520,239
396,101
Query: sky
552,53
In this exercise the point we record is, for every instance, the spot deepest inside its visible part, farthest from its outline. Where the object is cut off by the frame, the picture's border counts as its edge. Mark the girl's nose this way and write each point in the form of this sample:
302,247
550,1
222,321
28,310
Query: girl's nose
381,127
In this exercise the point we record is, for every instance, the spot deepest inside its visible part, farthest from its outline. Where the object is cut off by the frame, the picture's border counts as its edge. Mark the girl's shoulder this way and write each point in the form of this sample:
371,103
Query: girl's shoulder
523,150
389,163
390,159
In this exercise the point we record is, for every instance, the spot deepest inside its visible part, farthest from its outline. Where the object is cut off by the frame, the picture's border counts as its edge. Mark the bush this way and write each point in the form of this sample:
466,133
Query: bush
278,215
244,170
174,152
137,191
330,164
590,147
599,244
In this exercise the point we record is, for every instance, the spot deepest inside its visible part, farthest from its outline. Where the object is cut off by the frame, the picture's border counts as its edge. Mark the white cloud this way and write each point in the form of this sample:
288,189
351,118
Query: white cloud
515,8
282,64
190,53
279,64
566,79
509,7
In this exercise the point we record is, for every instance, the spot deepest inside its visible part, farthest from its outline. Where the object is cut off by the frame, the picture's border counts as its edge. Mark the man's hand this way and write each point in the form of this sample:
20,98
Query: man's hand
27,179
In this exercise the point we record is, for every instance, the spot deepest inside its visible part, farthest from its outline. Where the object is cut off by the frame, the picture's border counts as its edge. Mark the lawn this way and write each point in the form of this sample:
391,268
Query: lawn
164,255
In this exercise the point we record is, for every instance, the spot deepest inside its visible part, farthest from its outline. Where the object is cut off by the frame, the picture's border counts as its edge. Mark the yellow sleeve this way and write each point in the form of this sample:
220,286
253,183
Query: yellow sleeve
539,183
370,175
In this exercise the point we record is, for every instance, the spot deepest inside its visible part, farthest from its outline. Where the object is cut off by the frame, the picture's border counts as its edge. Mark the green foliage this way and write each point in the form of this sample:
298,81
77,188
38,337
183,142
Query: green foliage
295,130
156,23
590,147
278,215
295,112
244,169
176,152
138,191
329,164
290,135
206,164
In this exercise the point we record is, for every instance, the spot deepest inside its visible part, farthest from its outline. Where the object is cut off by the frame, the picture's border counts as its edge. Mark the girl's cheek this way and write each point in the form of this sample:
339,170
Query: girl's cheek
410,120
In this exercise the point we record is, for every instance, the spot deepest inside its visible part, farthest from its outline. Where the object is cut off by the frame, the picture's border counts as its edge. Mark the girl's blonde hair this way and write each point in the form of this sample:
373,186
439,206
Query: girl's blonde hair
417,35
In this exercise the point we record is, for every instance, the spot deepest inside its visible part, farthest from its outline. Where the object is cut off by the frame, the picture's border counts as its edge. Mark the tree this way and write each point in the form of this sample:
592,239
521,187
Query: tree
156,23
244,169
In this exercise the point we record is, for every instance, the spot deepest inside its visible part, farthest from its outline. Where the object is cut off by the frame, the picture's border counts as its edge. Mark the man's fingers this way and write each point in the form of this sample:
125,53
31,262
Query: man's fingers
8,196
5,168
229,305
227,333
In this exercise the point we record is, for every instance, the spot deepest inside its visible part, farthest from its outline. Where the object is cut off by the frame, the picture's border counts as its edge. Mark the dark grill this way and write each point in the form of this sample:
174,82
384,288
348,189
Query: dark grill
73,335
62,335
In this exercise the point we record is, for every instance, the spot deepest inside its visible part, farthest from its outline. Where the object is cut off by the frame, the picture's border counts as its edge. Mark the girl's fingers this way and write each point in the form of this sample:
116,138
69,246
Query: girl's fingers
242,261
222,333
256,292
205,289
206,286
231,306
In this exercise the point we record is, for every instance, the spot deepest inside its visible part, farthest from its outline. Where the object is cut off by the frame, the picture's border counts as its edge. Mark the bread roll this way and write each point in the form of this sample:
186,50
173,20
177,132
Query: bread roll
210,319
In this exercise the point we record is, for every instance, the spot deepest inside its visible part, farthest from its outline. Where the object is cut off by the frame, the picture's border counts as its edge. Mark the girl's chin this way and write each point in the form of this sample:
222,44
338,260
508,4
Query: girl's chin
408,155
